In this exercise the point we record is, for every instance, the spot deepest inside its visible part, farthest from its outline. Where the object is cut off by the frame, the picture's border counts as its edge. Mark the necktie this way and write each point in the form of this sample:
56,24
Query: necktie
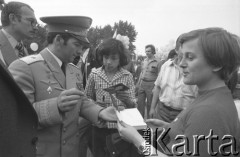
63,67
20,49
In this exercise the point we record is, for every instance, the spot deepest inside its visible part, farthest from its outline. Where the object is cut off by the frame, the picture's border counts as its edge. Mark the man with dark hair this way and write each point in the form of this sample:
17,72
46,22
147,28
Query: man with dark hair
44,79
19,22
150,69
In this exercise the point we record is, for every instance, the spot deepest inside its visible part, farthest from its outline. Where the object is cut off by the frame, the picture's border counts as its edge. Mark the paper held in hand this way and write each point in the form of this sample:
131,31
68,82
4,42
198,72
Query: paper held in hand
132,117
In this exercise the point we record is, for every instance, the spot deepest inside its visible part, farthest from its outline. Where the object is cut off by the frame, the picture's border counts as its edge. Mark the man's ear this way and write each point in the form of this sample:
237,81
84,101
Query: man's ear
13,19
58,40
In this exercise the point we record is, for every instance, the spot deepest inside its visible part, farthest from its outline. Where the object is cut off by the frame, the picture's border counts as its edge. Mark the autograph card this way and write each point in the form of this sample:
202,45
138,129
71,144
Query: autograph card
117,87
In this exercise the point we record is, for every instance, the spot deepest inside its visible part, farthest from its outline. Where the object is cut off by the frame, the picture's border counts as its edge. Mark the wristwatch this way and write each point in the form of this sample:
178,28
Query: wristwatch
142,149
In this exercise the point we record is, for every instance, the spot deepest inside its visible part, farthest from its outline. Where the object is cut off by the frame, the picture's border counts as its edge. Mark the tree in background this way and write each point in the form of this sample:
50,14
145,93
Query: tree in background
127,29
97,34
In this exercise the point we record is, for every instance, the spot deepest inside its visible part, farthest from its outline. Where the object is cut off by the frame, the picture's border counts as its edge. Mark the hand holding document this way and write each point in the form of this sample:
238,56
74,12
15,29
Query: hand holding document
131,116
115,88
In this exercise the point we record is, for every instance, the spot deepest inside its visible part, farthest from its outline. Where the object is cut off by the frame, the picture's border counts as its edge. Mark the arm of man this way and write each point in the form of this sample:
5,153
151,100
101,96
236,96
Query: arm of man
94,113
155,99
47,110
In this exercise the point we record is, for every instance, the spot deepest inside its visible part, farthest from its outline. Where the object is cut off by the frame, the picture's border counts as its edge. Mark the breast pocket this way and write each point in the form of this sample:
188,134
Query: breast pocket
153,69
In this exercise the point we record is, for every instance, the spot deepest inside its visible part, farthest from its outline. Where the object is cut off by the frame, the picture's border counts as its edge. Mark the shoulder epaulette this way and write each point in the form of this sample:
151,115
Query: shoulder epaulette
32,59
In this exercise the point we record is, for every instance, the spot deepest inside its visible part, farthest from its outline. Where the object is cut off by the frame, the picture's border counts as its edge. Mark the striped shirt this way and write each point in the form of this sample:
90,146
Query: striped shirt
98,80
174,93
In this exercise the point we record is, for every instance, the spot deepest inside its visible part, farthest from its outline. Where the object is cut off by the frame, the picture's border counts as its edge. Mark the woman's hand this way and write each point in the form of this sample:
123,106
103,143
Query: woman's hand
156,123
129,133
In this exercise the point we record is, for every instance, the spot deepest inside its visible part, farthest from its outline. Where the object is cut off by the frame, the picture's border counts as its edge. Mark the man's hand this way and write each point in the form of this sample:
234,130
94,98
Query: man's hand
151,113
156,123
68,99
108,114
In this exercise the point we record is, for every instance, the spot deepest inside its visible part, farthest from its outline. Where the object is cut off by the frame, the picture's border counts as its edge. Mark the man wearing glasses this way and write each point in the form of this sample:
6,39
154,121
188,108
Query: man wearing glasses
19,22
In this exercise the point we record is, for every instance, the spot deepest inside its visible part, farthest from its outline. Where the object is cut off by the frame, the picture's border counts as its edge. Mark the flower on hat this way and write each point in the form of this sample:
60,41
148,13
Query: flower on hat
124,40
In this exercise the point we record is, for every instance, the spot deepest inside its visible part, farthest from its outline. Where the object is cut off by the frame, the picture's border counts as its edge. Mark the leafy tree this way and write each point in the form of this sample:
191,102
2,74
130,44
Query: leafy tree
127,29
97,34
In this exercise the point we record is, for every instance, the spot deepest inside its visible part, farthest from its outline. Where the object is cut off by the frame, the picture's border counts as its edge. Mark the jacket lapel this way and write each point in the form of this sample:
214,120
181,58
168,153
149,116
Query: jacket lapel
54,67
7,50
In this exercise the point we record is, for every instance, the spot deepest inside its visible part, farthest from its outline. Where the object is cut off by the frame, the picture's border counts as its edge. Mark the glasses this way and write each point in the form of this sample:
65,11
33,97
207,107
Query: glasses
32,21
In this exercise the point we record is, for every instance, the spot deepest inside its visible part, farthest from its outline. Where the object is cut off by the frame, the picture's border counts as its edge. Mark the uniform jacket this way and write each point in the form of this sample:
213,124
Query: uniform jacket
18,120
40,76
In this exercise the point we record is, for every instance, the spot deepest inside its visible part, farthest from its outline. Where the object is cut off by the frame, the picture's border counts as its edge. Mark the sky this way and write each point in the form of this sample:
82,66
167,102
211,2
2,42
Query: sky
157,21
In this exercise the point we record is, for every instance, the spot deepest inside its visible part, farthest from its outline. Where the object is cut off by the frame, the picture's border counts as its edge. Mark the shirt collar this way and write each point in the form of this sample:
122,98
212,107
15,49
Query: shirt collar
10,38
54,56
154,58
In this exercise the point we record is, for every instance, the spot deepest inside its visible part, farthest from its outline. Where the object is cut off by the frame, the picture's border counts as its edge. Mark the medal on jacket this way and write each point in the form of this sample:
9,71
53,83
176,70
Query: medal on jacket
49,90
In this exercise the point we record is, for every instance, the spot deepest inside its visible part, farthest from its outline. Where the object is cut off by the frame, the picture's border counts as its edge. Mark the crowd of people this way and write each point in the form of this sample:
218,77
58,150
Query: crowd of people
192,97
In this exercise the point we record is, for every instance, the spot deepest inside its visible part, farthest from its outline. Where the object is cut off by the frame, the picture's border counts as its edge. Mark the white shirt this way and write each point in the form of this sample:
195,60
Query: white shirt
174,92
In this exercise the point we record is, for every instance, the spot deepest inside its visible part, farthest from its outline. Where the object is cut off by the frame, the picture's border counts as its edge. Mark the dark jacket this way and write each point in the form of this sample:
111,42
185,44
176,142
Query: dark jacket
18,120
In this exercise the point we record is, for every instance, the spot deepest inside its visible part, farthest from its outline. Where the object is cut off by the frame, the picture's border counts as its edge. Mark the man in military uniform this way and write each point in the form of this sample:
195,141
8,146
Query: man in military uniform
150,69
42,78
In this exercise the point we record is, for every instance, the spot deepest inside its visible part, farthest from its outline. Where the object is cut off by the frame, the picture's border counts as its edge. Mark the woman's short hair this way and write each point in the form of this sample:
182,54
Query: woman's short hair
110,47
220,49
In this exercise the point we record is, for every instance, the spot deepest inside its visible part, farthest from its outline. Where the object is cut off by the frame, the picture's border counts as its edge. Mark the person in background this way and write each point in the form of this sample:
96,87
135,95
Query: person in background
170,94
113,56
172,54
150,69
138,69
209,57
130,66
43,78
19,22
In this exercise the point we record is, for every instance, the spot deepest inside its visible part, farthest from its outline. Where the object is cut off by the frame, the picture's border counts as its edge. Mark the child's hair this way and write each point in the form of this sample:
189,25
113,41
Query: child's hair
109,47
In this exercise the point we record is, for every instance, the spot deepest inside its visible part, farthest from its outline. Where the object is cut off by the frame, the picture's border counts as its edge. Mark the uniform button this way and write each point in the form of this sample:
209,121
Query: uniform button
64,142
34,140
64,129
113,153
